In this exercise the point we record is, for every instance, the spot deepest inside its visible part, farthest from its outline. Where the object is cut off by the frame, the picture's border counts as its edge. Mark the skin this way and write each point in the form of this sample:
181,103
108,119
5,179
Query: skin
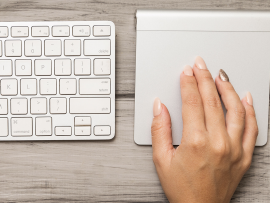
215,152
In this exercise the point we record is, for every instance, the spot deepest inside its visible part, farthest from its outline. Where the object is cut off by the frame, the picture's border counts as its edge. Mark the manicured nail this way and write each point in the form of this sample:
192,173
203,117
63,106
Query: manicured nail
249,99
157,107
223,76
188,70
199,62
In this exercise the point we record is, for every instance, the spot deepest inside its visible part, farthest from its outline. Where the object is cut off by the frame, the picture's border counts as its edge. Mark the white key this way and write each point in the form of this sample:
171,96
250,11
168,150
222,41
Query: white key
23,67
3,127
43,67
0,48
62,130
38,105
95,86
60,31
19,31
102,66
39,31
58,105
3,32
82,66
81,31
53,48
68,86
102,30
97,47
5,67
29,86
22,126
13,48
43,126
102,130
18,106
3,107
83,130
62,67
32,47
47,86
9,87
72,47
89,105
82,121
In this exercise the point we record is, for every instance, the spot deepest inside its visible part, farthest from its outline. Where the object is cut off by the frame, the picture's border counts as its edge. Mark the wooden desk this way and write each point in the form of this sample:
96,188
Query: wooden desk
117,170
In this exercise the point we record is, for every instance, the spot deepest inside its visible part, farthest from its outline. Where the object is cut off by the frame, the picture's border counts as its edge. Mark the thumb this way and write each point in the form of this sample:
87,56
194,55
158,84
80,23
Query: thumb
161,133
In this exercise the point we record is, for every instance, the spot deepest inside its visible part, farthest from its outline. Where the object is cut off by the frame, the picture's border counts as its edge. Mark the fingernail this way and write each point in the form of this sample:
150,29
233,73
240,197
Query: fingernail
199,62
249,99
223,76
188,70
157,107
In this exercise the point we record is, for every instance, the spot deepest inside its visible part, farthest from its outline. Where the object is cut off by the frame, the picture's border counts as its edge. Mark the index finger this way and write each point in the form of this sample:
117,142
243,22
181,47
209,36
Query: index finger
192,106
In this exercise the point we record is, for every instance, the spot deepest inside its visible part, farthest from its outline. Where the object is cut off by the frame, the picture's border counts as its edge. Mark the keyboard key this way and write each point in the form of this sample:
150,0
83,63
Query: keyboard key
29,86
23,67
43,126
102,130
82,66
18,106
82,121
72,47
83,130
40,31
53,48
22,126
32,47
43,67
95,86
81,31
89,105
3,127
97,47
38,105
3,107
62,67
58,105
68,86
3,32
0,48
60,31
9,87
5,67
102,66
13,48
102,30
62,130
19,31
47,86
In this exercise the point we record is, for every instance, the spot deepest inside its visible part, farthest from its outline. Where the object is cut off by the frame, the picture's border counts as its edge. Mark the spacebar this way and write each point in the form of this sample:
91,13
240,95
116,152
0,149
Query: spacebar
87,105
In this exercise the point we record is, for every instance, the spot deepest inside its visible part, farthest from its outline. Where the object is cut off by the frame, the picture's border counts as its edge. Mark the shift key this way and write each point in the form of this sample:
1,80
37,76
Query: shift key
86,105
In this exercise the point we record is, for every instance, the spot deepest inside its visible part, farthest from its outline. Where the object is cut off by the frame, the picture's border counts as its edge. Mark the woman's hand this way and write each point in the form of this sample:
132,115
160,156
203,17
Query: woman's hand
215,152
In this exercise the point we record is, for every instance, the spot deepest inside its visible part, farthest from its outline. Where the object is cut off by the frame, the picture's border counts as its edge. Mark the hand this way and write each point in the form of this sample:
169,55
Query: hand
215,152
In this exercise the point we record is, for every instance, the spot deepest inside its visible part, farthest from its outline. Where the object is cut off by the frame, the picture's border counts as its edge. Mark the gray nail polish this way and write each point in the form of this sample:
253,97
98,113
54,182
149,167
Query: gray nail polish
223,76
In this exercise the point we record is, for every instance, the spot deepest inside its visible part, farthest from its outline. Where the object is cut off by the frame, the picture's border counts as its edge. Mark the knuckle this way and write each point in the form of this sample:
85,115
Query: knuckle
221,149
192,100
156,127
247,162
198,140
240,112
237,155
207,77
214,102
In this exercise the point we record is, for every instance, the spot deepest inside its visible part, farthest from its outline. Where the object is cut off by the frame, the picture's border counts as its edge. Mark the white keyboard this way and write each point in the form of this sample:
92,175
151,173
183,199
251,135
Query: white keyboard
57,80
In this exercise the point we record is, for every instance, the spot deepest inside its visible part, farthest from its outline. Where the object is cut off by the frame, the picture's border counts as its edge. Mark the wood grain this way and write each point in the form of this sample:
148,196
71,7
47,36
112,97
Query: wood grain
111,171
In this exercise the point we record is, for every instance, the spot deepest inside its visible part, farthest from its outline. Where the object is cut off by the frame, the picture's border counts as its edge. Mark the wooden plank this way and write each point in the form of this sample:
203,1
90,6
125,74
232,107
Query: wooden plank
111,171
